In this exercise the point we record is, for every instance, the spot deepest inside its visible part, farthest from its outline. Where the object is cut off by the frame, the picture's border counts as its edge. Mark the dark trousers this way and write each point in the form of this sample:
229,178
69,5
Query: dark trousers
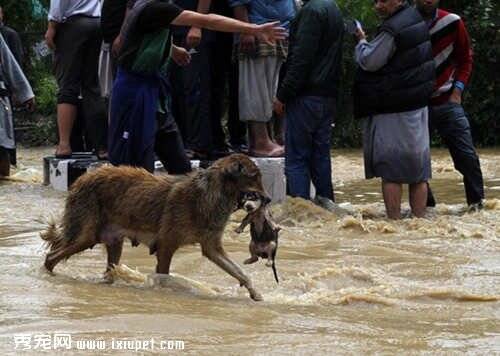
307,146
451,123
76,59
199,95
192,98
225,76
168,147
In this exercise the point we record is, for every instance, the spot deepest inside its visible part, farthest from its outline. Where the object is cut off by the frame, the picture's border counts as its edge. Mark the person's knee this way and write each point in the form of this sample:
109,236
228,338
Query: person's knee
465,159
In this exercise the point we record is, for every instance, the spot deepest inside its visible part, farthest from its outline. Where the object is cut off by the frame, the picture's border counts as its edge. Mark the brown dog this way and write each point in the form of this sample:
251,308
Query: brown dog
111,203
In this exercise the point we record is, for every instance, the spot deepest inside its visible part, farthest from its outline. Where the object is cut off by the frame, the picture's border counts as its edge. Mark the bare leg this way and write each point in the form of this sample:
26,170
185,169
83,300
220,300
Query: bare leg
279,131
114,253
392,198
418,198
66,115
217,255
259,143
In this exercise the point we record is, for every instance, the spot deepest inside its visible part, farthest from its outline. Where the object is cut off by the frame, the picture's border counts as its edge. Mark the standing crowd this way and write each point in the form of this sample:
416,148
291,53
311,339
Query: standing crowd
155,78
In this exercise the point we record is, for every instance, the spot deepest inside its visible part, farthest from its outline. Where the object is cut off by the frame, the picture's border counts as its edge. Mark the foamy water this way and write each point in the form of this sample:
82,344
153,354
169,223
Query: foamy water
353,284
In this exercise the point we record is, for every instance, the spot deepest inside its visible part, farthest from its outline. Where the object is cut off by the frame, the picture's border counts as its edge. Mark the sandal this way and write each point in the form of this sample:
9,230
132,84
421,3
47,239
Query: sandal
62,156
260,155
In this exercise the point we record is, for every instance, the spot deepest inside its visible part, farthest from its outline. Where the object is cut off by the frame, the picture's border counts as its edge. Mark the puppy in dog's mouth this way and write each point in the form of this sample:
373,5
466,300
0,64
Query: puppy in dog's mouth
263,230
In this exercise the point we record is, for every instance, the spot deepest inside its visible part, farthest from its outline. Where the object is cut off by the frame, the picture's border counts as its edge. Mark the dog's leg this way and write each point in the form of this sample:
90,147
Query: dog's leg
164,254
244,223
86,239
114,253
251,260
54,257
217,255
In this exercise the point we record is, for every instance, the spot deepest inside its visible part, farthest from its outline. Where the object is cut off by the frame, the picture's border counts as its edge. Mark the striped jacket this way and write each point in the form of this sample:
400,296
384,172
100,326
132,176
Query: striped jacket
452,54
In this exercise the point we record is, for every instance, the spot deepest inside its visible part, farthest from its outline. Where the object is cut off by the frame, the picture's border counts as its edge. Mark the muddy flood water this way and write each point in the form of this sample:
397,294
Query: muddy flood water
354,285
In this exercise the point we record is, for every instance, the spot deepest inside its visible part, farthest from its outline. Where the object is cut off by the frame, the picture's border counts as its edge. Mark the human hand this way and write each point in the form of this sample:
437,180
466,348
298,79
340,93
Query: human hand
193,37
360,34
116,46
181,56
30,104
278,107
270,32
456,96
50,36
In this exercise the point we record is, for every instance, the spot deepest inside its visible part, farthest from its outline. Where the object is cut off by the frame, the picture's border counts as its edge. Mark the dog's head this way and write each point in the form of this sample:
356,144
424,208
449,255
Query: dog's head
252,201
241,174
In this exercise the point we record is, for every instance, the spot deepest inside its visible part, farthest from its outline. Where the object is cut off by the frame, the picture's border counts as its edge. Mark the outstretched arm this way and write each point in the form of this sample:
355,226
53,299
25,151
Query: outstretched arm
162,15
268,32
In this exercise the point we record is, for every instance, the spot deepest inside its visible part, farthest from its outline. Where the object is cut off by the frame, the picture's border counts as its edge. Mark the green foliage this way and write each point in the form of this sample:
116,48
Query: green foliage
22,14
35,129
29,18
45,88
40,128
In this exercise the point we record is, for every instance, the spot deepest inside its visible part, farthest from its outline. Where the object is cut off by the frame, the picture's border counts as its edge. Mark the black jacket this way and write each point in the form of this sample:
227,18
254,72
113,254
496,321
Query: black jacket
13,40
315,52
406,82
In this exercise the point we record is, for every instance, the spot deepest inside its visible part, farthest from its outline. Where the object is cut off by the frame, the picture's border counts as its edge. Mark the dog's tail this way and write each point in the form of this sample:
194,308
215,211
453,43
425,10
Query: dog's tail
52,235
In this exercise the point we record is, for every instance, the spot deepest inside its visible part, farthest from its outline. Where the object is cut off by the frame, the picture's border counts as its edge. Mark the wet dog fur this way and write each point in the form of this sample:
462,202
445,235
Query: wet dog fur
161,212
263,230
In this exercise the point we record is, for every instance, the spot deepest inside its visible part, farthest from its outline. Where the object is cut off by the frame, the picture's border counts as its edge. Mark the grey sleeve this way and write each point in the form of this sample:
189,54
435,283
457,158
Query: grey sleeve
371,56
56,10
13,75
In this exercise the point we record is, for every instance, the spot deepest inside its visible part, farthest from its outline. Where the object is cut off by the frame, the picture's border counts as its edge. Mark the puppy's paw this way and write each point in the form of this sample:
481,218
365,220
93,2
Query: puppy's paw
269,263
250,260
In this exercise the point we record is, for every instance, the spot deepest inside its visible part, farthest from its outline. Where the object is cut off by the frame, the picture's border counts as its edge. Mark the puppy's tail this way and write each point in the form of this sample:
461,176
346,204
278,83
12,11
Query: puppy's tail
275,273
274,263
53,236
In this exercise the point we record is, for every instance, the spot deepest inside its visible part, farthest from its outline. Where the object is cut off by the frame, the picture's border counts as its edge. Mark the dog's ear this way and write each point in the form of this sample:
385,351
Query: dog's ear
237,170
